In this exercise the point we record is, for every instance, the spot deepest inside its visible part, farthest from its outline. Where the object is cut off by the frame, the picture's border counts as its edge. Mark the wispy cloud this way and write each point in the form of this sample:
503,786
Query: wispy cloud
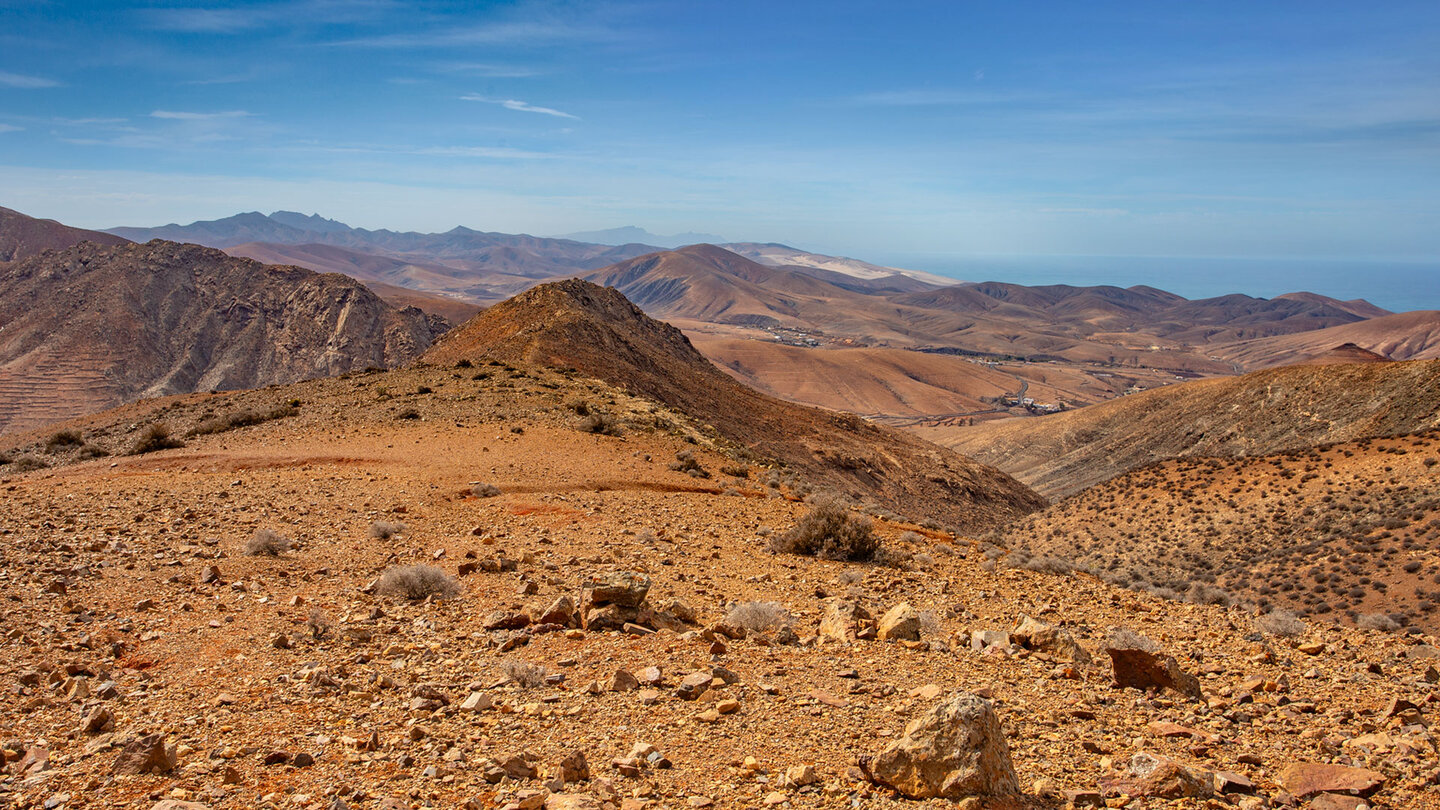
519,106
205,20
10,128
197,116
929,98
489,71
26,82
202,20
488,152
501,33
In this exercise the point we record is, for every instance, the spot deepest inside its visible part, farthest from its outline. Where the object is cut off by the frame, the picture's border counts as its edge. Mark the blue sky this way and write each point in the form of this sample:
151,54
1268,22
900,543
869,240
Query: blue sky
1307,129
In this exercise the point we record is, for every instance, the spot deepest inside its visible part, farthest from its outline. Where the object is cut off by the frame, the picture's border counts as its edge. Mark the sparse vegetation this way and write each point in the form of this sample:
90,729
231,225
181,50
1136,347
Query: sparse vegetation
599,423
384,530
155,437
484,490
62,439
1123,638
1280,623
830,531
1377,621
266,543
523,673
416,582
317,623
758,617
686,462
243,418
28,463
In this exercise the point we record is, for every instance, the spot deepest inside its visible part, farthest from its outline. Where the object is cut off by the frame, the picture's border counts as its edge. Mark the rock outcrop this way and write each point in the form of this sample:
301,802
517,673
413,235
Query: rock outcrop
953,751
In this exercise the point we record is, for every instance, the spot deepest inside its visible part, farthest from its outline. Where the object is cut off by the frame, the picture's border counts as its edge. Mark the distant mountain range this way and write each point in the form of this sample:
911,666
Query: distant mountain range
630,234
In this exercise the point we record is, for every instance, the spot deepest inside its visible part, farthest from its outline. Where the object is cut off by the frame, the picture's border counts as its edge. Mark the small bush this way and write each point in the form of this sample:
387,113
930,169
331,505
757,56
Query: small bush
523,673
155,437
483,490
239,419
1048,565
266,543
738,470
318,623
408,413
62,439
1280,623
5,458
1123,638
384,530
758,617
1377,621
28,463
600,424
91,451
415,582
830,531
685,462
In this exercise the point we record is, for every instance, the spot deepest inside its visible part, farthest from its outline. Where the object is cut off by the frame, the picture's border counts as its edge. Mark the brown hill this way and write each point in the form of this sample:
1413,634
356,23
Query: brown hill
93,326
574,324
1402,336
22,236
1344,353
1264,412
1335,531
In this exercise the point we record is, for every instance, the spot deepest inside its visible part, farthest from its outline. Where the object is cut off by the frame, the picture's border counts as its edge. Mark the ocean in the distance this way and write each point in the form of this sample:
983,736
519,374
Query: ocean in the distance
1394,285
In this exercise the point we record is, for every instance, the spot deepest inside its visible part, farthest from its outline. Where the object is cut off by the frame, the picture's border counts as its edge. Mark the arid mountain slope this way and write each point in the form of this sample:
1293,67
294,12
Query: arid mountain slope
1402,336
22,236
91,327
574,324
1264,412
1336,531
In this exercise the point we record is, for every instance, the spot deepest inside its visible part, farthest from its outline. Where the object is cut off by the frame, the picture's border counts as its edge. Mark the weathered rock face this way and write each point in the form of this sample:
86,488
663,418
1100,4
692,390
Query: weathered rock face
1304,779
842,620
146,754
91,327
900,623
953,751
1037,635
1148,669
1159,777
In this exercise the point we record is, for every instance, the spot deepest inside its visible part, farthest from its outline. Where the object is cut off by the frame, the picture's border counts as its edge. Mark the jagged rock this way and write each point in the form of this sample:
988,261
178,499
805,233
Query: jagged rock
574,768
1303,779
622,681
145,755
693,685
1150,669
610,617
982,640
953,751
1037,635
561,612
516,766
175,804
623,588
96,720
842,621
507,620
571,801
1158,777
900,623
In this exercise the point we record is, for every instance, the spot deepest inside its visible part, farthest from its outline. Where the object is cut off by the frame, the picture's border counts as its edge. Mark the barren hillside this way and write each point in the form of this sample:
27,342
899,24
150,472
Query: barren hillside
93,326
1255,414
574,324
22,236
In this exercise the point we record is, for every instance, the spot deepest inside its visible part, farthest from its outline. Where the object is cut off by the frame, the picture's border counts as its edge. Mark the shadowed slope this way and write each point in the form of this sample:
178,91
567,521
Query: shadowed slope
22,236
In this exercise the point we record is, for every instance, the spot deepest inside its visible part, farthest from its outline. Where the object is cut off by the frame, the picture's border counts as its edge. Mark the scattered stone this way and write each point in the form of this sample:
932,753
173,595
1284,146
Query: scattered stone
694,685
574,768
953,751
477,702
842,621
96,720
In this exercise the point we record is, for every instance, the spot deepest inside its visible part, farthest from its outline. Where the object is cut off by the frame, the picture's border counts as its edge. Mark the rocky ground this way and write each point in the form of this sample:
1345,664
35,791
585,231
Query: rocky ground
148,658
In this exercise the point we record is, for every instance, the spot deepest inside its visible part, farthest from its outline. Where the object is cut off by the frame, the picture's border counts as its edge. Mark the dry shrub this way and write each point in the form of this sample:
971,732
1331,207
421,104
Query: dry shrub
1123,638
415,582
830,531
485,490
758,617
61,439
27,463
523,673
1377,621
155,437
266,543
599,423
239,419
1279,623
384,530
318,623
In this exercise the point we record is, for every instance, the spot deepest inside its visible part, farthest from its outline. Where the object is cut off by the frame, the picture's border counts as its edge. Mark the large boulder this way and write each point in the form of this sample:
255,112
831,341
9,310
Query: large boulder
609,601
147,754
953,751
1139,663
1033,634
